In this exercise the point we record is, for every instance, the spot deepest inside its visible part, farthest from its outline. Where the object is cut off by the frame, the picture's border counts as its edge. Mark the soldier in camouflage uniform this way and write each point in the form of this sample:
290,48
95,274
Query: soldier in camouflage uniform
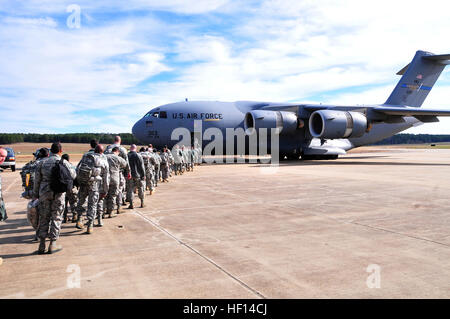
171,161
190,154
98,186
51,205
165,162
124,179
194,156
137,176
27,172
149,164
176,153
71,197
185,158
157,166
83,191
116,167
199,154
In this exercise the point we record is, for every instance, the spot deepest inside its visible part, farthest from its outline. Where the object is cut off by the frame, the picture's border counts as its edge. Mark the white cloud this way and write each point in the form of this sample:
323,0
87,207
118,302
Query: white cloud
269,50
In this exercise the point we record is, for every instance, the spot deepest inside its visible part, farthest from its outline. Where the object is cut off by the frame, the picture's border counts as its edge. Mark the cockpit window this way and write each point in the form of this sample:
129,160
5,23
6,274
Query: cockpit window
154,113
163,114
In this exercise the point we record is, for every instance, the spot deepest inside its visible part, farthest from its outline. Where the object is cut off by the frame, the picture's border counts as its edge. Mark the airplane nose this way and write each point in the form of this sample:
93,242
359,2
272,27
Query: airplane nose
138,130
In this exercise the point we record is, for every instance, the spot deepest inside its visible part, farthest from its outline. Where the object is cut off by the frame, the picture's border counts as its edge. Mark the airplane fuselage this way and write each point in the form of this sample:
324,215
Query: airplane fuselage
157,126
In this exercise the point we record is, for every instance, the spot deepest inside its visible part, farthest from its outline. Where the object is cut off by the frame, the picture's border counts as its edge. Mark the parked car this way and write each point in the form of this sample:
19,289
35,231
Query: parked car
10,161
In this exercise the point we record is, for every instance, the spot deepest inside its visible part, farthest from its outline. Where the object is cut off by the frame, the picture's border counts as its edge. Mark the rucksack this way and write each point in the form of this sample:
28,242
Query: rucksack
109,149
60,181
27,175
84,170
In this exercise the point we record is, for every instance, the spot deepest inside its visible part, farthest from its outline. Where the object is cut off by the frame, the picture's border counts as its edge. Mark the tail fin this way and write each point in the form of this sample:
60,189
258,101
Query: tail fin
418,78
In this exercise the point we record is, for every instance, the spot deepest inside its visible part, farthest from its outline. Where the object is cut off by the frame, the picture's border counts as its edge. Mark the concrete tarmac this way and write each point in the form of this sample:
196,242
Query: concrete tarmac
374,224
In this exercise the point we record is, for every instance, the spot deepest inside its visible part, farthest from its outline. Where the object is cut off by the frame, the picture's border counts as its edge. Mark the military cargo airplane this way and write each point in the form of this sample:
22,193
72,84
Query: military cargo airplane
309,131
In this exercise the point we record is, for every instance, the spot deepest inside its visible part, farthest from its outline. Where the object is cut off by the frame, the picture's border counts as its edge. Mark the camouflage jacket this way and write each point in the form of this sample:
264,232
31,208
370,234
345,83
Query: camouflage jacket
122,153
116,165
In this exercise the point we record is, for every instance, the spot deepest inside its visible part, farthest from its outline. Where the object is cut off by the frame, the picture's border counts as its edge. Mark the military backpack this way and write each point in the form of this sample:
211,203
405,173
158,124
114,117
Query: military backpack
85,169
61,180
27,175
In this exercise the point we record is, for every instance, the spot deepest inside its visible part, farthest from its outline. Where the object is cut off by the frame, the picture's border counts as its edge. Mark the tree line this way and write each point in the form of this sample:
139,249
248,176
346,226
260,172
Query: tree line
105,138
414,139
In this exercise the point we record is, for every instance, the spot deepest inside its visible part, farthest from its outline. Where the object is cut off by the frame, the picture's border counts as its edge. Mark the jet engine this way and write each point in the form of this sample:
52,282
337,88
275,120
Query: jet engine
330,124
286,122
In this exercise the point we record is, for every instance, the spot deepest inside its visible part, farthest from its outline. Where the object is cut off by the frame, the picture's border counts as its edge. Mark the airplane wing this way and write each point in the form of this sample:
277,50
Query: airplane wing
421,114
312,107
410,111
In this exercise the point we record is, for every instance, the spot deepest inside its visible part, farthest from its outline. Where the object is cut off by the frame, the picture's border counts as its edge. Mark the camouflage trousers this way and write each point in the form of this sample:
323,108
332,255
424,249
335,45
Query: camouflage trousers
136,183
157,174
122,190
165,171
71,200
177,168
94,205
150,180
113,193
50,217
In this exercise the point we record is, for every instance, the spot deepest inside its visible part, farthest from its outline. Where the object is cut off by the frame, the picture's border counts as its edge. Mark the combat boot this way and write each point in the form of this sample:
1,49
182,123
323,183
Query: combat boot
131,206
119,210
90,228
79,224
53,248
142,203
66,211
100,220
41,249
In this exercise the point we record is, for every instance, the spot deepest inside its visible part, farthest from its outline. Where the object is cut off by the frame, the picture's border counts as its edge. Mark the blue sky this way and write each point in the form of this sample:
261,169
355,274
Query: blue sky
129,56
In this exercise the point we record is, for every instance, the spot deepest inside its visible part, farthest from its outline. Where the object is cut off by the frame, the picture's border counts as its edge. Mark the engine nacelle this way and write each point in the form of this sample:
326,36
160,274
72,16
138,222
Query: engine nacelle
330,124
286,122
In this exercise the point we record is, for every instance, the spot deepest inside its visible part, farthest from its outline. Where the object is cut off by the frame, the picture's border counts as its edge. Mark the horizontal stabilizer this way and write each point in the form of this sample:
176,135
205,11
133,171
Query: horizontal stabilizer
437,57
443,58
402,71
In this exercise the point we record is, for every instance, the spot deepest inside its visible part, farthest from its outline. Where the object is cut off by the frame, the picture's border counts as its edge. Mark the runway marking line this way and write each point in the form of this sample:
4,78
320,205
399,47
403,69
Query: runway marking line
240,282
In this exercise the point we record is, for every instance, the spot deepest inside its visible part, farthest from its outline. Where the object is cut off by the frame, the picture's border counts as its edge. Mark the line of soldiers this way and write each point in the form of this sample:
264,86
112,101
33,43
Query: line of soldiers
105,179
